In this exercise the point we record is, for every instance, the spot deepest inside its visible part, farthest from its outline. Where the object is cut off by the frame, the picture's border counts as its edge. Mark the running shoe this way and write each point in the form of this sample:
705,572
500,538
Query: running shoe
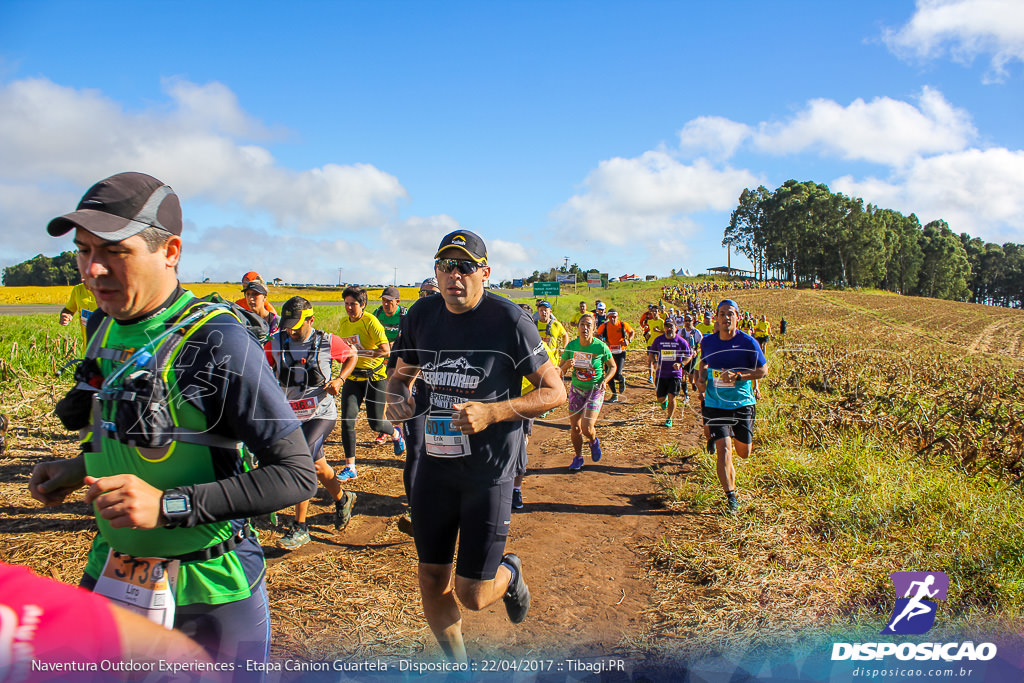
517,500
381,439
686,400
734,503
595,450
295,538
343,510
664,404
517,597
668,423
614,399
577,464
405,523
399,443
347,472
650,379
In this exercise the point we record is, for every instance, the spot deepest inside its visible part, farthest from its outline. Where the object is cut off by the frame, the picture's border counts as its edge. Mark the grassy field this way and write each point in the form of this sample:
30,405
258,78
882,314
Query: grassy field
889,438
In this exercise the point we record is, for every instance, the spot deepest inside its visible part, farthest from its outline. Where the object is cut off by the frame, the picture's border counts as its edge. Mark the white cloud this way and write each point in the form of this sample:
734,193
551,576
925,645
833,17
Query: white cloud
626,200
980,192
713,136
54,138
967,28
224,253
883,131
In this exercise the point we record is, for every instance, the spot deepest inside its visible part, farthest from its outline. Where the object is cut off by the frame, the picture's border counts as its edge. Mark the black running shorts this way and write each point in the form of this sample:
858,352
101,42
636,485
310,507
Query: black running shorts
737,423
316,431
668,385
445,509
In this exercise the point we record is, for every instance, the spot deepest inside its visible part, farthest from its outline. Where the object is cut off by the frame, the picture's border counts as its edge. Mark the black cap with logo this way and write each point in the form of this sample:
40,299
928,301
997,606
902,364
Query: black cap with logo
466,241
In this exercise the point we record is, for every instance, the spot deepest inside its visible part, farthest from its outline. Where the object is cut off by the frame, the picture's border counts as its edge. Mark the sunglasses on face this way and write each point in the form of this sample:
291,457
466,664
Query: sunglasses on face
448,265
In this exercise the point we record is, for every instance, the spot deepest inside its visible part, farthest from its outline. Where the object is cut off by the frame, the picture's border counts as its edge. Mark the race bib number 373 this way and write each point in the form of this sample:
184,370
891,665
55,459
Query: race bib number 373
144,585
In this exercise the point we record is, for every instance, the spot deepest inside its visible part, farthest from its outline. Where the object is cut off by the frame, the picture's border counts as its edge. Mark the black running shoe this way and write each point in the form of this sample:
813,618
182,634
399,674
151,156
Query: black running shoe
517,500
517,597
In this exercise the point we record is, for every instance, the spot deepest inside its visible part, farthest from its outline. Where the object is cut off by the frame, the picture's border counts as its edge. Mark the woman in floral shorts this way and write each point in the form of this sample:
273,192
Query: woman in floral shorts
593,367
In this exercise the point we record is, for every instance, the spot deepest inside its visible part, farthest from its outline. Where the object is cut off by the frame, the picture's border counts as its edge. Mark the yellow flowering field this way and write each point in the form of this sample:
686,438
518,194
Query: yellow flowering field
229,290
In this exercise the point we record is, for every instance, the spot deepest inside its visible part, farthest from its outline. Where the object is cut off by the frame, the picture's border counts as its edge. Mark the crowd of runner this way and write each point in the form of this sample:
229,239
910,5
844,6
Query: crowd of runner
454,381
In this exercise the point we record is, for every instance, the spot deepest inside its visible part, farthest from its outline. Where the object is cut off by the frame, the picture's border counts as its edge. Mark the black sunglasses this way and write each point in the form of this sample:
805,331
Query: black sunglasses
465,266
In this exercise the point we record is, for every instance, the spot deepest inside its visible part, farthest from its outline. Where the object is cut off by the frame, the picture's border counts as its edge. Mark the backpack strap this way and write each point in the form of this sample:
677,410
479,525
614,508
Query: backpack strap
158,355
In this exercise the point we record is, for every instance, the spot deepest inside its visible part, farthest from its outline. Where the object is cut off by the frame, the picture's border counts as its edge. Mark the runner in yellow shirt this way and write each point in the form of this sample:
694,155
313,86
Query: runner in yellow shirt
575,320
367,382
82,302
552,332
763,332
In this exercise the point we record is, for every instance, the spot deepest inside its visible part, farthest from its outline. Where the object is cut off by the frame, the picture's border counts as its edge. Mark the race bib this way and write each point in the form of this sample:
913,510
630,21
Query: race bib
85,316
144,585
615,349
719,382
581,359
353,341
304,407
442,441
668,354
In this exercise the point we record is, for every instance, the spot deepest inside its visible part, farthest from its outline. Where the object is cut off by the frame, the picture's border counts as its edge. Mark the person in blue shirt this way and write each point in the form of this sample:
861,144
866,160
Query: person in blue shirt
731,362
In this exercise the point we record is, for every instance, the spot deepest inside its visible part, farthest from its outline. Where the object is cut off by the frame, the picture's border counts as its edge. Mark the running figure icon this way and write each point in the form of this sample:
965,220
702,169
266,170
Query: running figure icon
919,591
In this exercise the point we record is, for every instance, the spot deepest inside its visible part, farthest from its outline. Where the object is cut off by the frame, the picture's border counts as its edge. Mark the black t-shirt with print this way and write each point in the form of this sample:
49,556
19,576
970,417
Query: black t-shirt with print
480,355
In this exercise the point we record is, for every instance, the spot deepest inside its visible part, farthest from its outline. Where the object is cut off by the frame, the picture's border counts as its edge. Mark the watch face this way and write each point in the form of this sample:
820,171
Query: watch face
175,505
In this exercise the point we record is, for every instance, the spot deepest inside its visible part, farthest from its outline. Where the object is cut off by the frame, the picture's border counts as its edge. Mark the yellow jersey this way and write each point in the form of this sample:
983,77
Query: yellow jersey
365,335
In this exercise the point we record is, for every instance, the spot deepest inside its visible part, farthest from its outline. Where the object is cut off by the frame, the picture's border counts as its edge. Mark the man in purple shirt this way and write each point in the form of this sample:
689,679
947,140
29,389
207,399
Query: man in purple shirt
670,353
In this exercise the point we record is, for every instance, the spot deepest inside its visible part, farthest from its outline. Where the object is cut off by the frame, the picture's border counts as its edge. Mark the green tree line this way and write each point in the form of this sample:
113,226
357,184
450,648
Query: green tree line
43,271
804,232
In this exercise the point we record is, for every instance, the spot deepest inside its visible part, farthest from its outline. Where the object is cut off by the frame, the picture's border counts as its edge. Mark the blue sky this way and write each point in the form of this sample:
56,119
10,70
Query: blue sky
308,137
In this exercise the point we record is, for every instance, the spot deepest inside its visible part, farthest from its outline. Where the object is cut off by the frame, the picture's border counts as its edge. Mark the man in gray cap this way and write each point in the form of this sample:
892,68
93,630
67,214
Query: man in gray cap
165,463
473,350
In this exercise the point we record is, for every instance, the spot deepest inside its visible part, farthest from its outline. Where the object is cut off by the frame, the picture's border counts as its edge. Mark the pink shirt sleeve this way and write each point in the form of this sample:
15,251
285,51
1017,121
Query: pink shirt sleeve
53,623
340,349
268,354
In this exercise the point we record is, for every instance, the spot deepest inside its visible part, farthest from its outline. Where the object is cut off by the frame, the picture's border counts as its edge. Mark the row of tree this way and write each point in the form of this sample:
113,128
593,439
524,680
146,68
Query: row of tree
806,233
43,271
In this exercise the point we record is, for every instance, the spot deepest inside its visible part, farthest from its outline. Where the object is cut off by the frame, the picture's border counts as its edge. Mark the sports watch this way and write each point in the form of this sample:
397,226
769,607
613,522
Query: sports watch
176,508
